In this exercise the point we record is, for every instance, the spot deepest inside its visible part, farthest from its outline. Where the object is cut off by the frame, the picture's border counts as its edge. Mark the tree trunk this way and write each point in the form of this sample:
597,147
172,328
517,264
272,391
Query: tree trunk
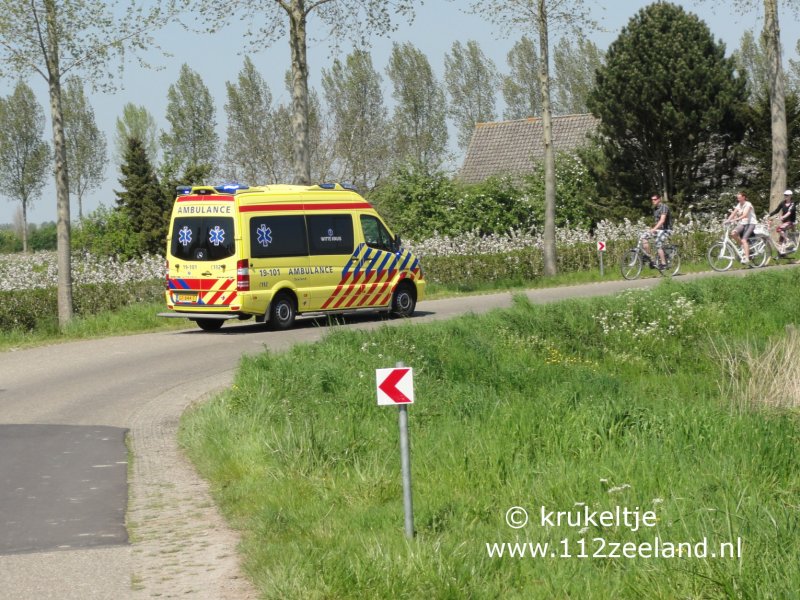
62,181
549,249
777,101
297,42
24,225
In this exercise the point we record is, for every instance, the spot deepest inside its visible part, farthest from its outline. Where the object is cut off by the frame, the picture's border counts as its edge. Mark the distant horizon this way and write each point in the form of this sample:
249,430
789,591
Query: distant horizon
438,24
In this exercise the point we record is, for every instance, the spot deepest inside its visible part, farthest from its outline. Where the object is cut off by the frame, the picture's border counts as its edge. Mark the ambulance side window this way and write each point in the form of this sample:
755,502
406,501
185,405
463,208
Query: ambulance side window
203,238
274,236
330,234
375,234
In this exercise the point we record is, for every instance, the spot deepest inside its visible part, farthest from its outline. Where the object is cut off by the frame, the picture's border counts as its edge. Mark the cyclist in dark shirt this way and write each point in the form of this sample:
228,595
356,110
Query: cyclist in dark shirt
660,231
788,214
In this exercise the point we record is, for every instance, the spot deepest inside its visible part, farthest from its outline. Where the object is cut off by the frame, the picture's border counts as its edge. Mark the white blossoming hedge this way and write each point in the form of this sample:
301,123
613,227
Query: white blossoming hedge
28,281
28,286
40,270
517,256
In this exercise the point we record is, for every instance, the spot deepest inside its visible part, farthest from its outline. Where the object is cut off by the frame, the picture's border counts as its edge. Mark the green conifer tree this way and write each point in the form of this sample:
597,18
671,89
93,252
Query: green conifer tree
141,199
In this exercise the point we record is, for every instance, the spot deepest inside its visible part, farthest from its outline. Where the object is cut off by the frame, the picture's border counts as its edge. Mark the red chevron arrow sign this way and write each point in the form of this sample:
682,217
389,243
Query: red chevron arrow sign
395,386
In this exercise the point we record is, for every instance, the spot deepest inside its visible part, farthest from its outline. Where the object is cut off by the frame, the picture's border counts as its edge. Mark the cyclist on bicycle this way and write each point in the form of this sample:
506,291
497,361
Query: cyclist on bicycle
745,216
660,231
788,216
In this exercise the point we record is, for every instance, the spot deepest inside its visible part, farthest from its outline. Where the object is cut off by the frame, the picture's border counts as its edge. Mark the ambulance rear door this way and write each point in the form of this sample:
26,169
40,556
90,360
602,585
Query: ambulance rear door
203,261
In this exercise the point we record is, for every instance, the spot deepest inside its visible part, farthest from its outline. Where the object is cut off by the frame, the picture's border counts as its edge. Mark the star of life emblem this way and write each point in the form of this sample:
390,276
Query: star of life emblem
217,236
185,236
264,235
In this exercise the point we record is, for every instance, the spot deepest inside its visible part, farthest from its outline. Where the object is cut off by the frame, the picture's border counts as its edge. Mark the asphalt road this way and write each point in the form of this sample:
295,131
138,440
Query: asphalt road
61,487
64,410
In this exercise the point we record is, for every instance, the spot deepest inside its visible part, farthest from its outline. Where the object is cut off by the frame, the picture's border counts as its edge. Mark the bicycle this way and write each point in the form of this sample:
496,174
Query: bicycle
791,237
723,252
634,259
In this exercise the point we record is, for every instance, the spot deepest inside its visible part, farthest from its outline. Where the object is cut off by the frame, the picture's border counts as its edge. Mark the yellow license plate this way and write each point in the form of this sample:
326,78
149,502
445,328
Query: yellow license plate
186,298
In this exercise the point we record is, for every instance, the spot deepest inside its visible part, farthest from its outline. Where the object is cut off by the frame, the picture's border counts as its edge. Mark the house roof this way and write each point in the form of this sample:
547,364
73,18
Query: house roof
513,147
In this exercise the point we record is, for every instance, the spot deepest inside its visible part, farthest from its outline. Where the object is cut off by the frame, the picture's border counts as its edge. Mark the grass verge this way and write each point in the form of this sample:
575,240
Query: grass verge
602,403
134,318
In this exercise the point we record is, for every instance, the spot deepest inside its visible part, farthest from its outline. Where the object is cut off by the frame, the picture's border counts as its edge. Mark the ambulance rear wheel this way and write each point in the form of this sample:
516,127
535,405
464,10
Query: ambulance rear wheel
404,300
282,311
209,324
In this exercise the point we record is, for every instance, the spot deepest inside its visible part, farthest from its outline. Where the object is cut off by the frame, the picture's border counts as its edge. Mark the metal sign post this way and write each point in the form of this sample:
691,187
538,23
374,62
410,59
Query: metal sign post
601,249
405,465
396,387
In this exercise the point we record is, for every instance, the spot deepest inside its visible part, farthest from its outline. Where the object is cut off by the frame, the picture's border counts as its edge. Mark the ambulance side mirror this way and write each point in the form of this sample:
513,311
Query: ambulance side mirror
397,243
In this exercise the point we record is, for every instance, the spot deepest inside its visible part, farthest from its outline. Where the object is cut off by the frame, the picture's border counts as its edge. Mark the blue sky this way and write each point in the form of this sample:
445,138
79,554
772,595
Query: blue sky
439,23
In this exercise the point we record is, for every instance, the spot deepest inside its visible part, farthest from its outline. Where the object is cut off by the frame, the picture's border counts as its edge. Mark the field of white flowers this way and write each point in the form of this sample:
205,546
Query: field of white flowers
40,270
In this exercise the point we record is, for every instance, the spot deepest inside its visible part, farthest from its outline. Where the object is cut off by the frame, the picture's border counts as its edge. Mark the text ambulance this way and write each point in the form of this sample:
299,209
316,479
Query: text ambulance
278,251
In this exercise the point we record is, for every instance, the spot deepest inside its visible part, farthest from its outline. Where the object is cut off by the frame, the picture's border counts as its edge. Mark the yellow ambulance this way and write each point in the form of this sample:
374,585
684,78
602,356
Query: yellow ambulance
274,252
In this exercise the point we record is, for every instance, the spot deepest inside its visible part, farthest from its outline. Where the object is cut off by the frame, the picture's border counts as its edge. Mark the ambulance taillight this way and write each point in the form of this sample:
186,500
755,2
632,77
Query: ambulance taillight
242,276
166,281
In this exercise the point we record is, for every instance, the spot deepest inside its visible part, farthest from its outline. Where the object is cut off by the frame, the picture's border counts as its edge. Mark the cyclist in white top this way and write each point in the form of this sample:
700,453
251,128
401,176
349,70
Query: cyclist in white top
745,216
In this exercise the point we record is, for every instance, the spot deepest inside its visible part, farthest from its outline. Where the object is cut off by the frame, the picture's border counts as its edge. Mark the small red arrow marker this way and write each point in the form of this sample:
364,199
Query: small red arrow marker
395,386
389,386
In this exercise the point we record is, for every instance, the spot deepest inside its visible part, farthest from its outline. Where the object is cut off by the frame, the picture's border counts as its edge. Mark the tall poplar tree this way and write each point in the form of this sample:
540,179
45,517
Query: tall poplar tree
751,57
251,153
24,155
355,102
136,122
86,144
576,59
521,87
419,129
355,20
793,73
192,139
471,81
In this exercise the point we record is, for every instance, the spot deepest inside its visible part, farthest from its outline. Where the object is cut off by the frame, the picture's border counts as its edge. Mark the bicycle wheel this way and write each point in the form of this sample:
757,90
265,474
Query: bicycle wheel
673,261
720,256
759,255
631,264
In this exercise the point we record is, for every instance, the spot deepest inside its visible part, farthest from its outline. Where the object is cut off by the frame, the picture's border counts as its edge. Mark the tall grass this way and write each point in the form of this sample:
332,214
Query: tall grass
769,377
604,402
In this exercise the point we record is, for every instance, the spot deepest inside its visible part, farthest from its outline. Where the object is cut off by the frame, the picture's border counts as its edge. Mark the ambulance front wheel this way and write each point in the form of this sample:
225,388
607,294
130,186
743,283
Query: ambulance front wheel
404,300
282,311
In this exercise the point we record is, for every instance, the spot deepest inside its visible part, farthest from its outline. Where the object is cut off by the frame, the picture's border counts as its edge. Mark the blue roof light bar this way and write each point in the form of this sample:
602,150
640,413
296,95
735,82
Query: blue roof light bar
230,187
